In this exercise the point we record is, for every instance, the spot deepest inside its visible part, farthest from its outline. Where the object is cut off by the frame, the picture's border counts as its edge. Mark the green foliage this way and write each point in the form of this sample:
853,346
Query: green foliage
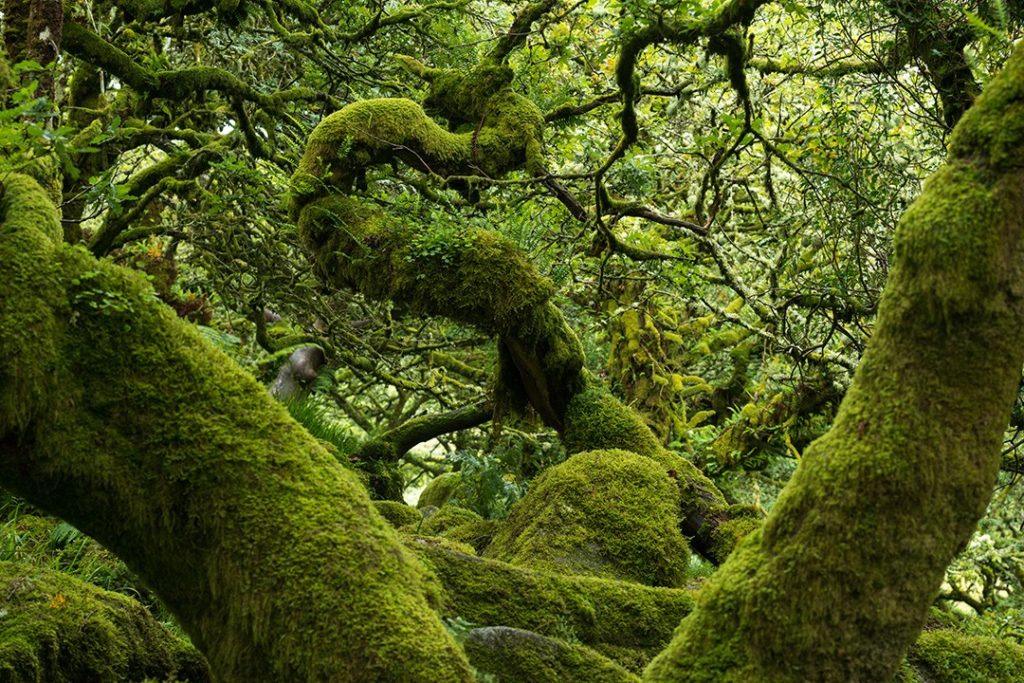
315,417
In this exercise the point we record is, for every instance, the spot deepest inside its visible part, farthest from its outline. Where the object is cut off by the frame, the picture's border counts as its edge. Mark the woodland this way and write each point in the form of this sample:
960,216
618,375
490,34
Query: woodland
584,341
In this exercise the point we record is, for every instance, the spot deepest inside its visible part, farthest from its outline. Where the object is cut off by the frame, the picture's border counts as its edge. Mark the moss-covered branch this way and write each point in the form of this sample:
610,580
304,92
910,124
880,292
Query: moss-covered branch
516,655
837,584
175,84
121,419
520,29
474,276
426,427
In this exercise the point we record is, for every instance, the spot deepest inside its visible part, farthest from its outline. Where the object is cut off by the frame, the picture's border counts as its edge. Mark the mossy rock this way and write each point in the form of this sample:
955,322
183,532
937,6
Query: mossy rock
613,514
595,419
448,517
58,629
477,534
517,656
398,514
440,490
623,620
946,656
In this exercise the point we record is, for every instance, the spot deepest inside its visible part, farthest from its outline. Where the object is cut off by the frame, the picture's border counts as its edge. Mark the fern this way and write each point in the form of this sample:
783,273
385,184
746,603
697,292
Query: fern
311,414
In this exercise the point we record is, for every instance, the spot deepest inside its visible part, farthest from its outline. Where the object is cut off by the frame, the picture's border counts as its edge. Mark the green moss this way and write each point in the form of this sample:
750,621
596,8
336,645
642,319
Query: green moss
595,419
484,280
949,657
398,514
507,134
837,583
514,655
620,617
477,534
162,449
727,534
29,234
447,517
600,513
58,629
440,490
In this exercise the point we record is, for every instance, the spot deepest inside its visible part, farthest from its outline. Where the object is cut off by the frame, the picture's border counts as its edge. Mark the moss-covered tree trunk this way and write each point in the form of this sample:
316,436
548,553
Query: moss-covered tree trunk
836,585
121,419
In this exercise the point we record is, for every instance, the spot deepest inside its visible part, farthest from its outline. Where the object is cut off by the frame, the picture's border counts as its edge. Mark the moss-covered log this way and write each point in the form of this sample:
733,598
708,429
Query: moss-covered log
123,420
836,585
59,629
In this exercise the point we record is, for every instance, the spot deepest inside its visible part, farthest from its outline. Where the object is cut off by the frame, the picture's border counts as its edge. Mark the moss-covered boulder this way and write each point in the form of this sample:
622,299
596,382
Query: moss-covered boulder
517,656
601,513
440,490
623,620
446,518
398,514
58,629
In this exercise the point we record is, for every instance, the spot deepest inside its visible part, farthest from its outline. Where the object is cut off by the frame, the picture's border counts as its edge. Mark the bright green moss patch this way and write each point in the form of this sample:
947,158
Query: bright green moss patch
516,655
398,514
601,513
447,517
949,657
440,490
58,629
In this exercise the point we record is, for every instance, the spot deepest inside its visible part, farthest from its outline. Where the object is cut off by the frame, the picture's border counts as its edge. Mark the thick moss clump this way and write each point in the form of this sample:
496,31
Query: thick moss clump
622,619
161,448
837,583
478,534
440,490
596,420
517,656
446,518
602,513
398,514
58,629
476,277
949,657
506,134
